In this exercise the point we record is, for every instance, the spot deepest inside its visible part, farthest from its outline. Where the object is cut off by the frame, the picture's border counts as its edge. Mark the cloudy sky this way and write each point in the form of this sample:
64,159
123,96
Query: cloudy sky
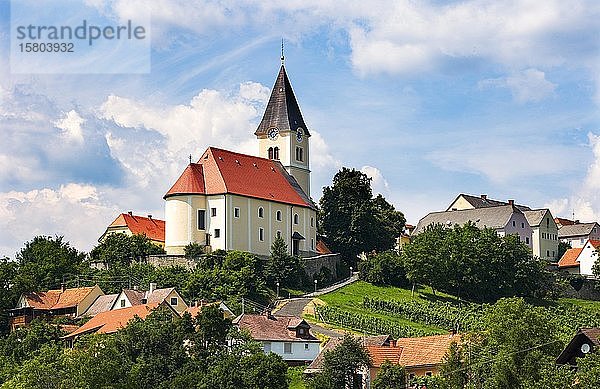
429,98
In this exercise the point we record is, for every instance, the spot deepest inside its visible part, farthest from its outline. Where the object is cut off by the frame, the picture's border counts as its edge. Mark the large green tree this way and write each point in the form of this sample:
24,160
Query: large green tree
122,250
283,267
386,268
352,220
390,376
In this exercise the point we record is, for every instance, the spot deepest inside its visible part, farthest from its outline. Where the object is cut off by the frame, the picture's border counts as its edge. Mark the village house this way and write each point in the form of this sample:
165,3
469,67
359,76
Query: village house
286,336
63,302
101,304
504,219
132,297
587,340
130,224
577,234
195,309
467,201
109,322
580,260
232,201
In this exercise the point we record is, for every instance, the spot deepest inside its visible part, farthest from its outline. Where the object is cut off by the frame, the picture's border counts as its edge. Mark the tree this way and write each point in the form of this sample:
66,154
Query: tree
390,377
44,262
353,220
341,366
562,249
193,250
474,263
386,268
453,372
121,250
282,267
8,294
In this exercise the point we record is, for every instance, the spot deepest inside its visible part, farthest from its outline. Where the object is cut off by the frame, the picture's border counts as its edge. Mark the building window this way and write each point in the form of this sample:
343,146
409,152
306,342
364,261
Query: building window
287,348
522,225
213,212
312,243
547,253
174,301
312,221
217,232
123,303
201,217
553,253
514,224
279,234
296,218
428,374
547,222
299,154
278,216
276,153
261,212
261,234
527,240
236,212
270,153
306,346
267,347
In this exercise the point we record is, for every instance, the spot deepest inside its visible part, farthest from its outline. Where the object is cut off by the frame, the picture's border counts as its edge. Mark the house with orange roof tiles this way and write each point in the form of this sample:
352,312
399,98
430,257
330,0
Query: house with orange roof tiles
132,297
64,302
580,260
130,224
195,309
286,336
232,201
109,322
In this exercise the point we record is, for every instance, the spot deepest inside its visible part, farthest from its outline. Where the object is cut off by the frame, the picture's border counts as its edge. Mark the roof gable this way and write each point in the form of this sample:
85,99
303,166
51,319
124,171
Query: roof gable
380,354
572,230
282,110
154,229
569,258
535,216
57,299
426,350
484,202
273,328
491,217
191,181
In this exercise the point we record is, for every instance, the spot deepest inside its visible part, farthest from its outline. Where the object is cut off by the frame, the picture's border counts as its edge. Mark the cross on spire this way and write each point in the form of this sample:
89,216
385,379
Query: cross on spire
190,159
282,56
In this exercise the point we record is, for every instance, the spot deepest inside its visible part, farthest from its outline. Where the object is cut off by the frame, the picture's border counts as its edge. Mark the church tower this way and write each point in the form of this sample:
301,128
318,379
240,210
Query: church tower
282,134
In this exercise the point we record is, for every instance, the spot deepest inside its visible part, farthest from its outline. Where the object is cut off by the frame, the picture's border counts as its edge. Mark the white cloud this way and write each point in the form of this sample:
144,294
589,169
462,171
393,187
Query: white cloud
529,85
71,123
378,181
73,210
584,202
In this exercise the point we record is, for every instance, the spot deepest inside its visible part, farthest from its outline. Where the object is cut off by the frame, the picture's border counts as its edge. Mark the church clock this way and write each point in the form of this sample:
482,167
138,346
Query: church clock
273,133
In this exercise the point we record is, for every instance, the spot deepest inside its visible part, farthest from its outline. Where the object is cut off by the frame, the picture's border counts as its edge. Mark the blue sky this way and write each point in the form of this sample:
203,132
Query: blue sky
431,99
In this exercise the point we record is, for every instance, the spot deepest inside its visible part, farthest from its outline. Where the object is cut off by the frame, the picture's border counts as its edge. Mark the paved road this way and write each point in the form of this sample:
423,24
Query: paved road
294,307
333,287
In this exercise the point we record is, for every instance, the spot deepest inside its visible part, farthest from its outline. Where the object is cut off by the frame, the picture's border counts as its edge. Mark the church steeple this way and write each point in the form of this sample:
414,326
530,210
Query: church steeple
282,133
282,111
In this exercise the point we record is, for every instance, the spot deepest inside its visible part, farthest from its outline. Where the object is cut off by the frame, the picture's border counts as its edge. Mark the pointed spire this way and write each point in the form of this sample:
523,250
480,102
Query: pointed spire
282,110
282,56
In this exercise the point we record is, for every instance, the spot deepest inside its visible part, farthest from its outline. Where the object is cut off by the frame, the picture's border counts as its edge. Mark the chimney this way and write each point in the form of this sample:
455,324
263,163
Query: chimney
484,197
576,221
152,288
130,213
135,287
63,287
511,202
149,216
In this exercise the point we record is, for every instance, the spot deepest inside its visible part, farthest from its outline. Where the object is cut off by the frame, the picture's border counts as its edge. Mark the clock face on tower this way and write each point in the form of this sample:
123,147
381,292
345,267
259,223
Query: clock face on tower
299,134
273,133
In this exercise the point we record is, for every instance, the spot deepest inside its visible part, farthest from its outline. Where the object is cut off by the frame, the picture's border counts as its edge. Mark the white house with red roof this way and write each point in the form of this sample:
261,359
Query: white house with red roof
130,224
232,201
580,260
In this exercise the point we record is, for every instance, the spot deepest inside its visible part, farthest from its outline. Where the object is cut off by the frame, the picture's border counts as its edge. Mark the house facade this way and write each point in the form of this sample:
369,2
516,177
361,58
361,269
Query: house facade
233,201
580,260
64,302
286,336
130,224
467,201
132,297
504,219
578,234
544,233
585,341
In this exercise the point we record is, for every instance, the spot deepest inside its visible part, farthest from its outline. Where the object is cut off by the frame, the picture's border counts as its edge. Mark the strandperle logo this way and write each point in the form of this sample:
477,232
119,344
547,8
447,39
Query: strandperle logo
85,31
73,36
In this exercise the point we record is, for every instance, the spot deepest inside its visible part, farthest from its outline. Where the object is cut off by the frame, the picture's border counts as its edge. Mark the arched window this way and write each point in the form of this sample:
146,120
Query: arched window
270,153
276,154
296,218
278,216
261,212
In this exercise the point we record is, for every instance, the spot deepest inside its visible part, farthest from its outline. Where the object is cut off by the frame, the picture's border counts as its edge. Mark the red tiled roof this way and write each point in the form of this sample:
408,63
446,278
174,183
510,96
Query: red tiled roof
569,258
154,229
595,243
426,350
593,334
277,328
111,321
380,354
322,247
221,171
56,299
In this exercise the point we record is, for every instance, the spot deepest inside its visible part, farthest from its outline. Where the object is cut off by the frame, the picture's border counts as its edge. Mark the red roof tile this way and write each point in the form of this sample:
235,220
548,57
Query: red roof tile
426,350
322,247
569,258
72,297
111,321
275,328
154,229
42,300
380,354
595,243
56,299
224,171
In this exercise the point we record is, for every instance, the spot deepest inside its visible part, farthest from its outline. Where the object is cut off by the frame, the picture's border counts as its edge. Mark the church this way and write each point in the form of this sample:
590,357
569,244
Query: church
233,201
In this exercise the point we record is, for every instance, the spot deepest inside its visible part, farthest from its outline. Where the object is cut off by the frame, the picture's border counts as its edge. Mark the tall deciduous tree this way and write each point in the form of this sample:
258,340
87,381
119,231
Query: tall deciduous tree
352,220
390,377
120,250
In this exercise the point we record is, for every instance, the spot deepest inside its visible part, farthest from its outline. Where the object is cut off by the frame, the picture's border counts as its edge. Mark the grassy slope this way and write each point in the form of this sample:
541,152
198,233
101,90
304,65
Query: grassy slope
350,299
